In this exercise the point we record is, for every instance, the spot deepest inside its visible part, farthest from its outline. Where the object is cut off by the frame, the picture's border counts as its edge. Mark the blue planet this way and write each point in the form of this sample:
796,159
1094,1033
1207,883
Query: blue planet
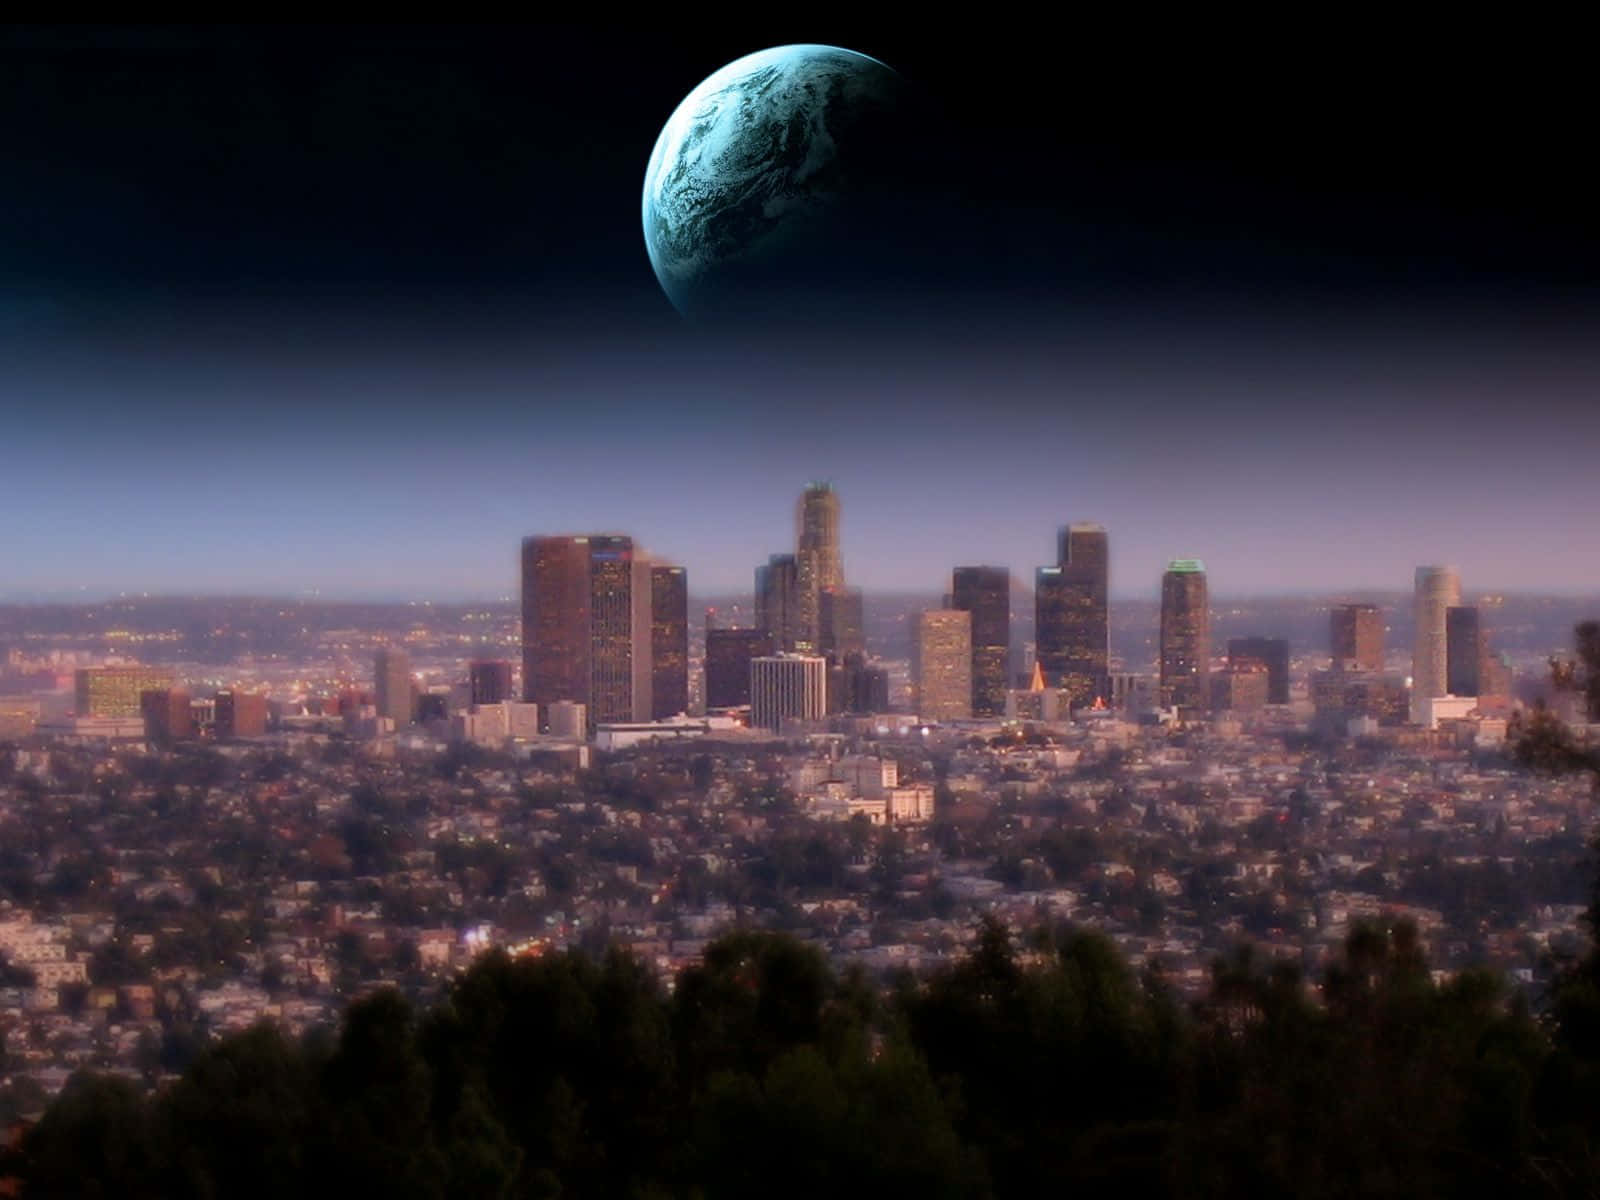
778,182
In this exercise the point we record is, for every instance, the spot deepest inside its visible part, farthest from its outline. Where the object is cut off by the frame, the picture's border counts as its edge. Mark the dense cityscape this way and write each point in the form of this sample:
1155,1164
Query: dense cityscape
214,815
650,611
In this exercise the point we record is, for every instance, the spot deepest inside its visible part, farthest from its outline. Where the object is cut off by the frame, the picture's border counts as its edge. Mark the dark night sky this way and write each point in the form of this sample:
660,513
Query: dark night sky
355,308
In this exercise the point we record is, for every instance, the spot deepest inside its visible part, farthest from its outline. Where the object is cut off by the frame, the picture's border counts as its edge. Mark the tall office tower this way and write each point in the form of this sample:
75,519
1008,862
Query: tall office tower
586,626
855,686
1437,590
1086,548
168,715
669,641
1072,615
985,592
1272,655
942,665
244,714
116,691
1243,687
778,600
1463,638
843,623
818,563
1355,636
489,681
391,676
1185,635
787,687
729,653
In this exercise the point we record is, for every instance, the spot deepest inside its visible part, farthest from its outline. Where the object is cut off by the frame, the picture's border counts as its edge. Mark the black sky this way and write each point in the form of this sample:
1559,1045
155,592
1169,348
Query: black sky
357,307
496,163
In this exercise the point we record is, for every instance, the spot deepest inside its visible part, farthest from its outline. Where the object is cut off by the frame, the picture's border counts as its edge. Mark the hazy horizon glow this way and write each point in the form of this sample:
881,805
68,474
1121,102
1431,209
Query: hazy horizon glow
355,310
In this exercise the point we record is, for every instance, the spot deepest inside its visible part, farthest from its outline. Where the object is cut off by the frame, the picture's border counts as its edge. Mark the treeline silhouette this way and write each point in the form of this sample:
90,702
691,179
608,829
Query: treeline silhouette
1041,1067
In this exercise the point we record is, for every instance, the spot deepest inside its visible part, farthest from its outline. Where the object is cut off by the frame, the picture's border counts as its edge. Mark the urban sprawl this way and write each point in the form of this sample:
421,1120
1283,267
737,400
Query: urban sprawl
218,812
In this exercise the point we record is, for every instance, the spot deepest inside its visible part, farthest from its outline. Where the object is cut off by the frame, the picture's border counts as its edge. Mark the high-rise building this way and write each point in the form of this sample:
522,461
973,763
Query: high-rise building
669,641
729,653
392,685
1272,654
856,686
819,566
116,691
1185,635
586,629
942,665
1072,615
1243,687
1464,647
244,714
787,687
555,619
1437,590
489,681
1355,635
985,593
778,601
619,613
843,623
168,715
1084,547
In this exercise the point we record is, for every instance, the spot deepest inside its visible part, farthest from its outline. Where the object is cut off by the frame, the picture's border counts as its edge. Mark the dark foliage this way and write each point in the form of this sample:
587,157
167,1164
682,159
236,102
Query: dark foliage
1046,1068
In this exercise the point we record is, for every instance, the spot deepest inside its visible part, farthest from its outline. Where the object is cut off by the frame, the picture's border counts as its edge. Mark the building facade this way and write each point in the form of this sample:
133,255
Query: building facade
586,626
1438,589
1072,615
391,676
1355,637
168,715
729,653
489,681
669,641
843,623
787,688
1464,648
819,564
942,665
778,601
985,593
1272,655
243,714
116,691
1185,635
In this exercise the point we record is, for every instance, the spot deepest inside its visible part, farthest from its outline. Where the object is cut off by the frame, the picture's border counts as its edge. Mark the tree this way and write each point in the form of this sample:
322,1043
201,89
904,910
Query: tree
94,1142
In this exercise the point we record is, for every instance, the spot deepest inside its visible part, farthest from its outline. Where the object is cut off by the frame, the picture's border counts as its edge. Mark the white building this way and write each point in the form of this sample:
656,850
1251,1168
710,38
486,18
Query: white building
1428,711
787,688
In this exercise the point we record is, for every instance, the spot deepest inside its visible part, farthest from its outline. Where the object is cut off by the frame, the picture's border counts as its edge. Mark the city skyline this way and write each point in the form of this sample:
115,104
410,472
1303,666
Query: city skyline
585,606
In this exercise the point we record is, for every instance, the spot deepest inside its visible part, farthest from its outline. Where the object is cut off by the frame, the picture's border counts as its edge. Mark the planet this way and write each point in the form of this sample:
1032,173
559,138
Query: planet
782,183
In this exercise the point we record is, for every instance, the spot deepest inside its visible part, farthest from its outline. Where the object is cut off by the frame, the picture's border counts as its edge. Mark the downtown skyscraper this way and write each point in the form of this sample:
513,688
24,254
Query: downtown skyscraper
778,601
1438,589
941,667
818,563
1072,615
391,671
801,598
587,625
985,592
669,641
1464,650
1185,635
1355,637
